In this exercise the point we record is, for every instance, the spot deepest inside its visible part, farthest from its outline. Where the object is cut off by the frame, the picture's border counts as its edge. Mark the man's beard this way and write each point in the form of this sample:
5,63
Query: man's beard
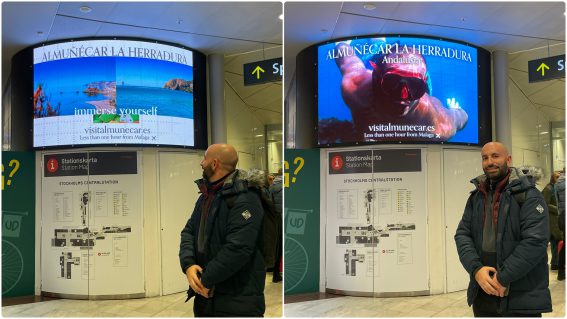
502,171
207,172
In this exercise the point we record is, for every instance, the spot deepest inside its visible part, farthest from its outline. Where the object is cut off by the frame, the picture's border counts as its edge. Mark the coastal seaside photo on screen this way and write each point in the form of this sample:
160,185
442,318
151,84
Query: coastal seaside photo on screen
113,92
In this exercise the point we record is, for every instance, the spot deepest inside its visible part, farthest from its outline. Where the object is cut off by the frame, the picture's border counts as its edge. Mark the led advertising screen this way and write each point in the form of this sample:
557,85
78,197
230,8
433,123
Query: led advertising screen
112,92
397,89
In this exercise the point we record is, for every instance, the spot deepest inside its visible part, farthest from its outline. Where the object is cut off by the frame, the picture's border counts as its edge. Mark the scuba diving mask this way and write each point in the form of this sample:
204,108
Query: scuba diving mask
403,88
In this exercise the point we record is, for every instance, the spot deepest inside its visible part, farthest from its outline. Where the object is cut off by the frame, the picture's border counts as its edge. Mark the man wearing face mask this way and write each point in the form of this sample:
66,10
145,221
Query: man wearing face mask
395,93
219,250
502,241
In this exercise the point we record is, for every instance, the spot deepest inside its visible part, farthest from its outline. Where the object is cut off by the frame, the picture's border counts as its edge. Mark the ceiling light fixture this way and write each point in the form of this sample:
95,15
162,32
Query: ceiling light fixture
280,16
369,6
85,9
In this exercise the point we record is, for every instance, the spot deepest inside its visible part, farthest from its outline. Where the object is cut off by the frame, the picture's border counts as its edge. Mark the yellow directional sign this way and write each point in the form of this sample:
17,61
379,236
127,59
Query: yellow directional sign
542,67
263,71
257,70
546,69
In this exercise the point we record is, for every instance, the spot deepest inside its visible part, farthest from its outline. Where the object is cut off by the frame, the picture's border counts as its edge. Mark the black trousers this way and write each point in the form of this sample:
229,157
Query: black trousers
278,257
487,306
205,307
561,262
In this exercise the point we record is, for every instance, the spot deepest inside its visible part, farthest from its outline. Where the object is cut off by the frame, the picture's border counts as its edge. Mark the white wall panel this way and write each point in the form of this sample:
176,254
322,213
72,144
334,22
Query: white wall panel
459,167
177,197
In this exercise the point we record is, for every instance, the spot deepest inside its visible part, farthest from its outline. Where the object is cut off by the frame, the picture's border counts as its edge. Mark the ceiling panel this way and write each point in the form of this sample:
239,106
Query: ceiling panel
526,19
349,25
228,20
100,10
383,9
20,23
304,21
538,23
126,13
424,12
468,15
71,28
401,27
124,31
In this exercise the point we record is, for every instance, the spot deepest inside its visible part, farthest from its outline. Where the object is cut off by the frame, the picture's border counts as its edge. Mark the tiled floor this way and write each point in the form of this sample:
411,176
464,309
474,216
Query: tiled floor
446,305
165,306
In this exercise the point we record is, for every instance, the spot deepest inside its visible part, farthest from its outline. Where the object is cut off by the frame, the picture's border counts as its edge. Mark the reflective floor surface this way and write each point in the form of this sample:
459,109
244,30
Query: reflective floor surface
165,306
445,305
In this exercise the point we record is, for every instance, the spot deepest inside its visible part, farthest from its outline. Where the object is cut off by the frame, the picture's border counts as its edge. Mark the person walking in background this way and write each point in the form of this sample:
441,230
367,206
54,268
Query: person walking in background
276,195
220,250
268,181
502,241
555,233
271,229
560,198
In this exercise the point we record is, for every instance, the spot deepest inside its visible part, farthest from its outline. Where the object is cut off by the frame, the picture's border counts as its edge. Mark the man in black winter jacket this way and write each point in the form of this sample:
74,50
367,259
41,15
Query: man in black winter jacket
502,241
219,250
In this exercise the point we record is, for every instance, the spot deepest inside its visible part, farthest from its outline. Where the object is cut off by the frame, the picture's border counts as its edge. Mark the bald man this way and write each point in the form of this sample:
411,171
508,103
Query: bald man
502,241
219,251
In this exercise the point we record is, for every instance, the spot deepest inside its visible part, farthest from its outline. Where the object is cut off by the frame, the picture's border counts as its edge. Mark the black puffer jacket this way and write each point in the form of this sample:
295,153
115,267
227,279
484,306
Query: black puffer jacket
521,244
232,261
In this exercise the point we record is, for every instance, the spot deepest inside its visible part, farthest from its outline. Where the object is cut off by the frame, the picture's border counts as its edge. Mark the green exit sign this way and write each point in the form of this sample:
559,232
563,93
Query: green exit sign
263,71
546,69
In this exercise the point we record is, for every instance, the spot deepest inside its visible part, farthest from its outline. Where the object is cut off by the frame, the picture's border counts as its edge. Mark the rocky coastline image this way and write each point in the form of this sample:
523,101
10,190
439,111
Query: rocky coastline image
179,85
105,88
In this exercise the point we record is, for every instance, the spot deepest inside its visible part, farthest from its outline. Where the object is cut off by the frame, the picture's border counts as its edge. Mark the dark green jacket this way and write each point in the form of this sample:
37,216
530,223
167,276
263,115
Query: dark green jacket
521,244
232,262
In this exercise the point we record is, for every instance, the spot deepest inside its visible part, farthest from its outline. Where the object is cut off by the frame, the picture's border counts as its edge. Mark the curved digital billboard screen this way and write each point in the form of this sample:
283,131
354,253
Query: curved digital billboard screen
398,89
113,92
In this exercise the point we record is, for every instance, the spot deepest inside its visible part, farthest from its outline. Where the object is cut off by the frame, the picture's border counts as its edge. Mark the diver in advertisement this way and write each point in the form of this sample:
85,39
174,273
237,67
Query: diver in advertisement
389,96
396,92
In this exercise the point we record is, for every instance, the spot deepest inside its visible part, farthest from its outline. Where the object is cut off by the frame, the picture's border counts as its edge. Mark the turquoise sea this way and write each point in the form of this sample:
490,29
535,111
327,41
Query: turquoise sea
168,102
71,100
